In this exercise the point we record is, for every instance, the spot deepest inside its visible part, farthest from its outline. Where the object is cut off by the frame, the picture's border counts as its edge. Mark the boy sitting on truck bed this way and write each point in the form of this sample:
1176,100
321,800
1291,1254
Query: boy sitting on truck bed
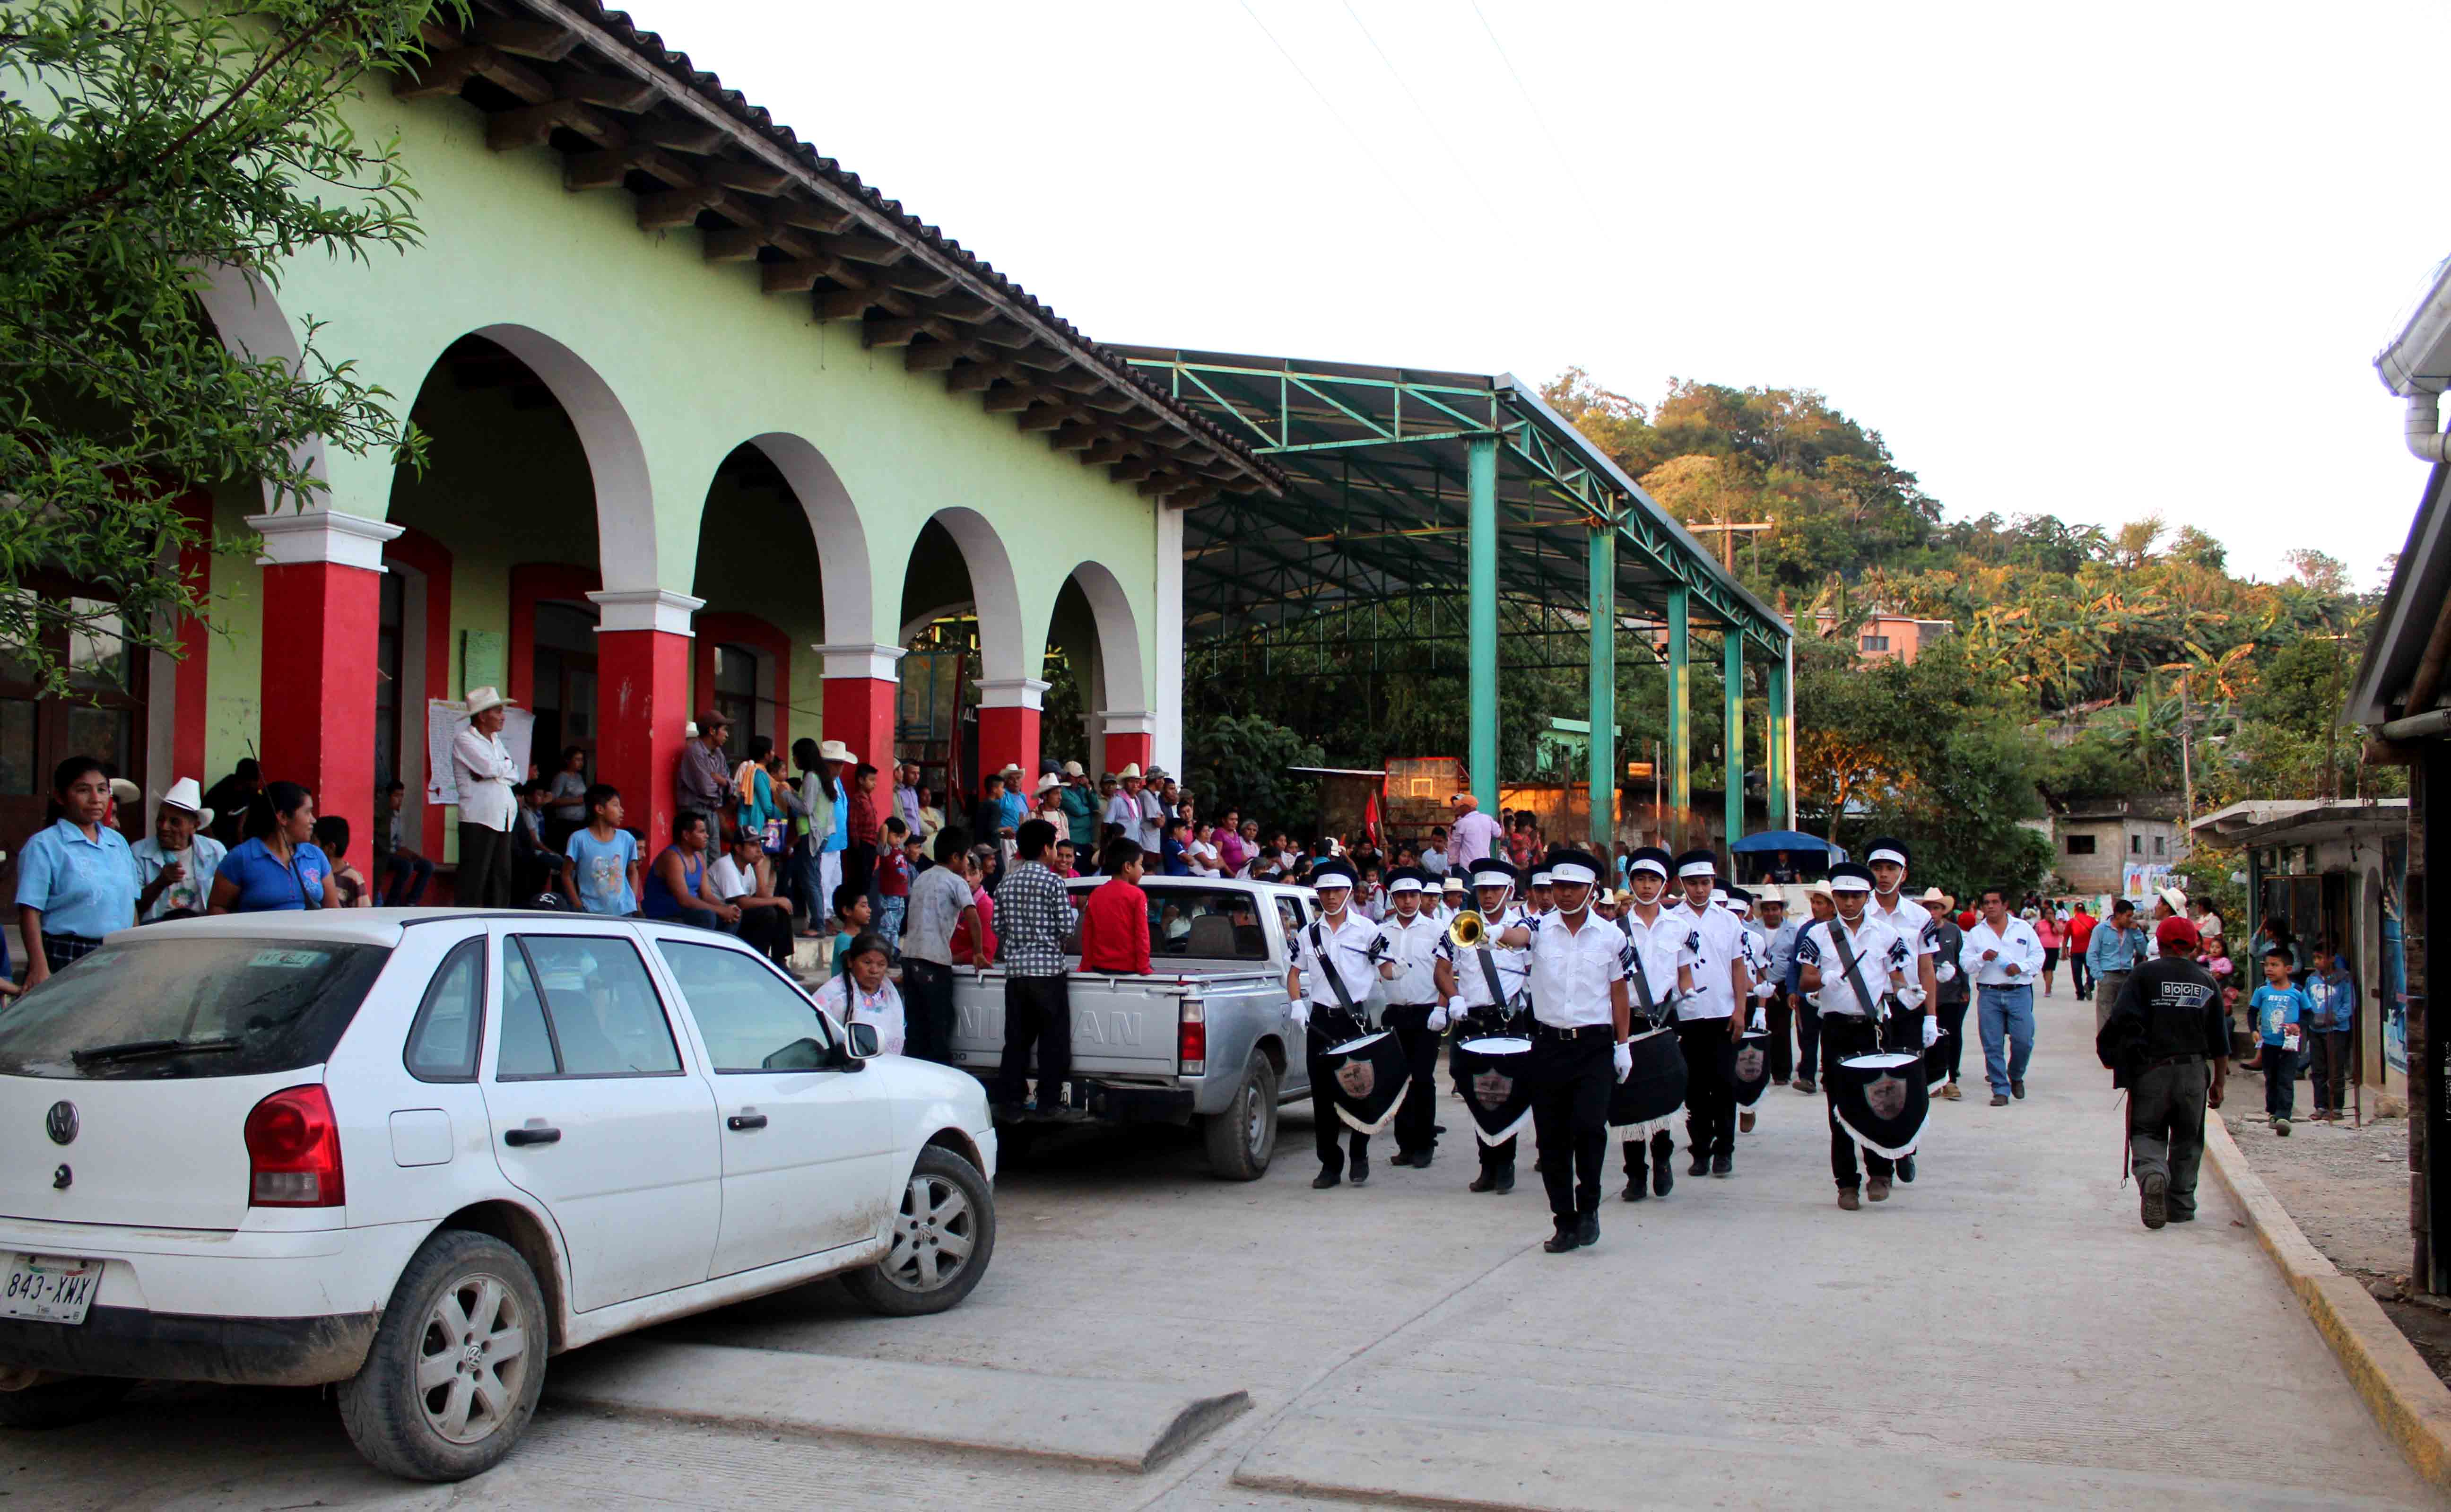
1114,923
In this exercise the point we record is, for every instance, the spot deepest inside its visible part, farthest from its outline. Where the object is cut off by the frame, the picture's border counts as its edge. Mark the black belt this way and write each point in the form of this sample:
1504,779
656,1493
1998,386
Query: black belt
1413,1005
2174,1060
1540,1030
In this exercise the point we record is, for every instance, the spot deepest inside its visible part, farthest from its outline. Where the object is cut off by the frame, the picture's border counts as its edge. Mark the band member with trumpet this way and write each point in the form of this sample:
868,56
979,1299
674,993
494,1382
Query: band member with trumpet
1482,987
1415,1012
1580,1020
1662,973
1852,961
1327,985
1708,1015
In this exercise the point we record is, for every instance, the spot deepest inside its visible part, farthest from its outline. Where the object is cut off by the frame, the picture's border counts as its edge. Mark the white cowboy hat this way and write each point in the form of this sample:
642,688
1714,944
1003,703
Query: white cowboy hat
124,792
835,750
1049,781
488,697
1073,769
184,794
1009,766
1129,772
2177,899
688,731
1934,895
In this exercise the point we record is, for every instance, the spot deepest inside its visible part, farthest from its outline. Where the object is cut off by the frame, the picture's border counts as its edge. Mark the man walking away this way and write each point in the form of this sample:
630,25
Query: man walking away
2080,935
1031,916
2168,1042
2116,948
2002,954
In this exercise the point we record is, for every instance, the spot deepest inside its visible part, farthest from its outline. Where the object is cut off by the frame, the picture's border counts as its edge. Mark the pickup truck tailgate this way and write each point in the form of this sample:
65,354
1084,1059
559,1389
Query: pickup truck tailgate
1122,1026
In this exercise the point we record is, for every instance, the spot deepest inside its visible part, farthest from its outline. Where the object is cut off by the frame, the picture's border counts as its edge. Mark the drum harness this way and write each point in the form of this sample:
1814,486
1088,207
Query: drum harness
1875,1009
1336,982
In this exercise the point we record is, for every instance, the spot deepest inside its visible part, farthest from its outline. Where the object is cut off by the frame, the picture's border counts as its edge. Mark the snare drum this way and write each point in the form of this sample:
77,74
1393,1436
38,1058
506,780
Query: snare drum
1496,1091
1366,1080
1745,1063
1881,1100
1653,1091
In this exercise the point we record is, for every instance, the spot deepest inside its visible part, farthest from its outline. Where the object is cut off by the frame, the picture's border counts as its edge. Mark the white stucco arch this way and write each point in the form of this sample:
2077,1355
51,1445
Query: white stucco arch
250,322
1122,682
843,567
617,463
996,593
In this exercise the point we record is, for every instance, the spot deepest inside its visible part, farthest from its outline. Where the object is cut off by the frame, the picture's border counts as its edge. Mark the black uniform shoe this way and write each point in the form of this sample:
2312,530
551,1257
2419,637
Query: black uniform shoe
1661,1178
1506,1178
1722,1165
1361,1170
1484,1181
1569,1236
1324,1179
1421,1159
1588,1232
2155,1208
1906,1168
2017,1089
1701,1165
1635,1190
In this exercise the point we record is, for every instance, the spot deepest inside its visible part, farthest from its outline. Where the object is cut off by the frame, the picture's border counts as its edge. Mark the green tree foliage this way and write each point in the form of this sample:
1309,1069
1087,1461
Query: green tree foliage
1245,761
142,141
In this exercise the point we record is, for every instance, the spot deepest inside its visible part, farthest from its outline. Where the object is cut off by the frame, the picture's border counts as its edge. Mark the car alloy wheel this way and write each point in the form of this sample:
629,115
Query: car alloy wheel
473,1359
934,1235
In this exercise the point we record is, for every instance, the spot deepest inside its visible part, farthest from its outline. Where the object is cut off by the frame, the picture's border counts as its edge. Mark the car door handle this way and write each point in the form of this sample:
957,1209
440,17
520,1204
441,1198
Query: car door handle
531,1135
740,1120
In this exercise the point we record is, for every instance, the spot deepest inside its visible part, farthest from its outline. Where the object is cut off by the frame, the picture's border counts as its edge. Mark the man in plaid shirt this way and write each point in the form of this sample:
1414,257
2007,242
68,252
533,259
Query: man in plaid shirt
1033,915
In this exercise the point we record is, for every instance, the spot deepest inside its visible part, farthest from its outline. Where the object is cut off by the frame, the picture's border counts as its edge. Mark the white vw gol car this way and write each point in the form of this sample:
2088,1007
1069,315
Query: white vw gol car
416,1152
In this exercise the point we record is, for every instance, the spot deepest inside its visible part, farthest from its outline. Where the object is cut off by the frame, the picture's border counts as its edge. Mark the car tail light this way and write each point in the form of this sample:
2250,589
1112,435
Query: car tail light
1191,1044
293,1150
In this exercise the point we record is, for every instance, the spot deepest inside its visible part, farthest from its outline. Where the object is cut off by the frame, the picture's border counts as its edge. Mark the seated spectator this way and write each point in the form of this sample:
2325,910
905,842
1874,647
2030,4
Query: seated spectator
1172,860
1115,923
278,867
678,886
404,872
332,835
851,917
862,993
742,878
175,864
599,864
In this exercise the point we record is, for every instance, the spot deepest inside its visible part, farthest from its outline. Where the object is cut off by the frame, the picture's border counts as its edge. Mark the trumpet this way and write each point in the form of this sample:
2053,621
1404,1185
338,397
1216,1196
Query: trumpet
1467,930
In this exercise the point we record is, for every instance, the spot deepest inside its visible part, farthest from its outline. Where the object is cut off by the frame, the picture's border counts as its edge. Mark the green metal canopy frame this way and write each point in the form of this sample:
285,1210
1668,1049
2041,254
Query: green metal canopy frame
1407,482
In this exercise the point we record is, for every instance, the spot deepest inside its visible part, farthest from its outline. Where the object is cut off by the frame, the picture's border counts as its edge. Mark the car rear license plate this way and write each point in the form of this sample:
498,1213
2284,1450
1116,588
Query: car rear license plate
49,1288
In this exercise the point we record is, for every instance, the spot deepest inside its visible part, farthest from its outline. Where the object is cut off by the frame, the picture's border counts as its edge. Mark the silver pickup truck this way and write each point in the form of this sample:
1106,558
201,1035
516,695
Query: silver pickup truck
1203,1040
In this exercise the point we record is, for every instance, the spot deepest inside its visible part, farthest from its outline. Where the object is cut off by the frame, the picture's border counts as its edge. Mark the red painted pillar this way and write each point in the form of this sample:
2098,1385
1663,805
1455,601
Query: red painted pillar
1008,711
861,694
642,689
1131,739
322,599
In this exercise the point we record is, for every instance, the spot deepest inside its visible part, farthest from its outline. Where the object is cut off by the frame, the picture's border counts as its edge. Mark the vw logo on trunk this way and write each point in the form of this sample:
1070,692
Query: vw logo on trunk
61,1122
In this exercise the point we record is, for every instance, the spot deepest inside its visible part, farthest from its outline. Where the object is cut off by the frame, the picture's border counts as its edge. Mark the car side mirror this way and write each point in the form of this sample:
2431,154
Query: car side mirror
863,1042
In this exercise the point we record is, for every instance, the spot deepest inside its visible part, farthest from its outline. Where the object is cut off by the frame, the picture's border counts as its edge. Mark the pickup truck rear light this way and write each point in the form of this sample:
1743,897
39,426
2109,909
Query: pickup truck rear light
1191,1042
293,1150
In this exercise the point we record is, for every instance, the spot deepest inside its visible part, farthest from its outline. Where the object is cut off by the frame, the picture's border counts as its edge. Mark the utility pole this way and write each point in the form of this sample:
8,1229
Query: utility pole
1727,534
2186,762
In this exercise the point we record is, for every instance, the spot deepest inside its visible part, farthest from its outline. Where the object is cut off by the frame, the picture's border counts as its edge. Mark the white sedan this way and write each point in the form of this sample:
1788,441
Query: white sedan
415,1151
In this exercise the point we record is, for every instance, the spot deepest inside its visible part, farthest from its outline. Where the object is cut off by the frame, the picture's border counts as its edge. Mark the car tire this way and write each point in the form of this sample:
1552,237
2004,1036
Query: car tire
945,1206
1243,1139
467,1302
62,1404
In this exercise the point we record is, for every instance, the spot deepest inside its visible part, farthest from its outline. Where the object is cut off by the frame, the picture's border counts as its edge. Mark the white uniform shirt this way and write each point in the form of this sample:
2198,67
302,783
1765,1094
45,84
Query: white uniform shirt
483,773
1413,948
1712,940
2016,941
1353,952
1912,922
1877,950
1660,949
1572,969
1757,947
1472,983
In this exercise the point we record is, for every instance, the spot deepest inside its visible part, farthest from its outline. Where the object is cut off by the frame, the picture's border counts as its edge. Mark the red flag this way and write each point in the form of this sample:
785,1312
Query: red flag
1370,818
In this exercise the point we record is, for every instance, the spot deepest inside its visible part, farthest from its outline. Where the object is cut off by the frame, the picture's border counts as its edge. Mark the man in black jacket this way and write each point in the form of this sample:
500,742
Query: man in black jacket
2168,1042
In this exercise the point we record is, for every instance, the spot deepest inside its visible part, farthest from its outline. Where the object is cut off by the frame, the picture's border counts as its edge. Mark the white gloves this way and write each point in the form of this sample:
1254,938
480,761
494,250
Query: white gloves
1299,1011
1930,1032
1624,1058
1760,1021
1438,1020
1911,994
1945,972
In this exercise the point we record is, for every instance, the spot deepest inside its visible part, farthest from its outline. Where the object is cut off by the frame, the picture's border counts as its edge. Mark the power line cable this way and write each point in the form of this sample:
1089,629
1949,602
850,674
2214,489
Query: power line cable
1397,74
1359,140
1519,88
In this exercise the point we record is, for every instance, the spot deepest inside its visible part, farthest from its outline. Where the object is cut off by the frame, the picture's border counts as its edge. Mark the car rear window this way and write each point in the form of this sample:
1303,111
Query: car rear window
180,1007
1220,924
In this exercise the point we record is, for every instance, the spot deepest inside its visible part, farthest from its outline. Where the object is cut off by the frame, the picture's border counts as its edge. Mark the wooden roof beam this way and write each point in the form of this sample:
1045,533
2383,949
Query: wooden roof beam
1046,416
748,177
678,136
530,126
629,96
540,40
674,208
1112,449
1074,435
848,303
443,74
892,331
1132,470
936,355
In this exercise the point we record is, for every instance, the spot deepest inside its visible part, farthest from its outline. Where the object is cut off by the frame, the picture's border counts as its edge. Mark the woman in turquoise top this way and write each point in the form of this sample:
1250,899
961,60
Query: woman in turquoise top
757,805
278,867
76,880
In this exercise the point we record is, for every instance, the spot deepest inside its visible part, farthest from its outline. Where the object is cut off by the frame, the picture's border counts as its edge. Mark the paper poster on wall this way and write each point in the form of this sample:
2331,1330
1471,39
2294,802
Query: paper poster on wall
445,720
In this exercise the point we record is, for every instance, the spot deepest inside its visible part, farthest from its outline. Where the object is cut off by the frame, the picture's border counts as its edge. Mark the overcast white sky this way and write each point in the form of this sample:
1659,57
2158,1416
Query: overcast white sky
2102,260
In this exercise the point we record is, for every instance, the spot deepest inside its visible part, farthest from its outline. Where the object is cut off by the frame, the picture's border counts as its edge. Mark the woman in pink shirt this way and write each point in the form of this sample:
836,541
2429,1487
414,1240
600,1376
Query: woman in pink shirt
1231,849
2048,929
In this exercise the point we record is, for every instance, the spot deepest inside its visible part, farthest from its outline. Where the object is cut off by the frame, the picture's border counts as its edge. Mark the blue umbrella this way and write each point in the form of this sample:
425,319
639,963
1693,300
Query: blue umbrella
1772,840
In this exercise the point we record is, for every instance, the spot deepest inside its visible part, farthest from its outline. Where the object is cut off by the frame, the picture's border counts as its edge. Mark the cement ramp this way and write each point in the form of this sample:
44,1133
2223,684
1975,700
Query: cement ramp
1111,1424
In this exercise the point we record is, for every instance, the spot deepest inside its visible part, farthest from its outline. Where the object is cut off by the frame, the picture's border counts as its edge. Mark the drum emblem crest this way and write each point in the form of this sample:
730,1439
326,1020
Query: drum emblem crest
1749,1065
1887,1096
1491,1089
1357,1077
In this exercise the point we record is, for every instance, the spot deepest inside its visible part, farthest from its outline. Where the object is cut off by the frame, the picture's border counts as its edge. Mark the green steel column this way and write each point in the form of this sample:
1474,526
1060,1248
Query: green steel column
1481,484
1782,744
1680,742
1602,764
1732,691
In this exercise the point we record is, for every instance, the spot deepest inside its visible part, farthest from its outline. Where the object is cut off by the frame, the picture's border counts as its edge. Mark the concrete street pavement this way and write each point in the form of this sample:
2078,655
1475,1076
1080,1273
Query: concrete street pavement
2002,1333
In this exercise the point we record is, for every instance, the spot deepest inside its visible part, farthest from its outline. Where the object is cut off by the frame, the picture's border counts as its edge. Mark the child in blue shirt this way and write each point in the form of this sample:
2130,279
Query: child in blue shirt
2334,996
2279,1011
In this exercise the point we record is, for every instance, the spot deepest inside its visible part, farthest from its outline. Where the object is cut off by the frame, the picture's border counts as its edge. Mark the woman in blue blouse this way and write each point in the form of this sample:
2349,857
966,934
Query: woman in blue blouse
277,866
76,880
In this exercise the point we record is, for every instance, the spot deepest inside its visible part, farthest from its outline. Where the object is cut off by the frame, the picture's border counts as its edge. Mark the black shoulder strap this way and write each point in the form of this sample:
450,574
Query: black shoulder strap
1642,981
1871,1005
1489,975
1335,980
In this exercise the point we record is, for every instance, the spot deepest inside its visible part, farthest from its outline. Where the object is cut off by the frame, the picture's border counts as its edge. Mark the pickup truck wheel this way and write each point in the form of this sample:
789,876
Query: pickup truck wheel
1244,1137
456,1366
943,1236
61,1403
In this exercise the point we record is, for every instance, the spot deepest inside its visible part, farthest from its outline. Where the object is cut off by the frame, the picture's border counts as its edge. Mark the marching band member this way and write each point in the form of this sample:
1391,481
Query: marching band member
1708,1015
1537,901
1851,1025
1888,859
1328,984
1482,989
1578,1031
1663,973
1756,948
1416,1012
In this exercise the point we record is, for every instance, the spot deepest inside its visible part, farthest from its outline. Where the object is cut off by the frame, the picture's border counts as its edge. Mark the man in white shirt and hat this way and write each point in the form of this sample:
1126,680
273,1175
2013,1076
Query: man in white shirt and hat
175,864
1124,808
2169,903
482,771
1661,972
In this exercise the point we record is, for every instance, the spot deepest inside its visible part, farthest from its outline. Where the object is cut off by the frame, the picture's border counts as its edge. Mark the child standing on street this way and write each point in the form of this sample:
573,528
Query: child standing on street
2335,999
2279,1011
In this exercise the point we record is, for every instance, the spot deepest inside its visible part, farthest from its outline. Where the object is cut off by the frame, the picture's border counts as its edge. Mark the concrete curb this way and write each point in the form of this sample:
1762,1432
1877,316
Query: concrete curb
2408,1401
1111,1424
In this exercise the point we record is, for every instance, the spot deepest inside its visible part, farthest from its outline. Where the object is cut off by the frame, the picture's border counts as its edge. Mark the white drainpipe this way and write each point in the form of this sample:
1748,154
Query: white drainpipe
2425,436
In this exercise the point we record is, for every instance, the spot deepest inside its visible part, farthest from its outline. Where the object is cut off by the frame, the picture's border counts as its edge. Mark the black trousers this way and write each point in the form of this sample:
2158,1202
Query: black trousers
769,930
1808,1036
1037,1012
1942,1056
1326,1125
1662,1145
928,1010
485,879
1416,1120
1782,1053
1842,1036
1710,1102
1571,1079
